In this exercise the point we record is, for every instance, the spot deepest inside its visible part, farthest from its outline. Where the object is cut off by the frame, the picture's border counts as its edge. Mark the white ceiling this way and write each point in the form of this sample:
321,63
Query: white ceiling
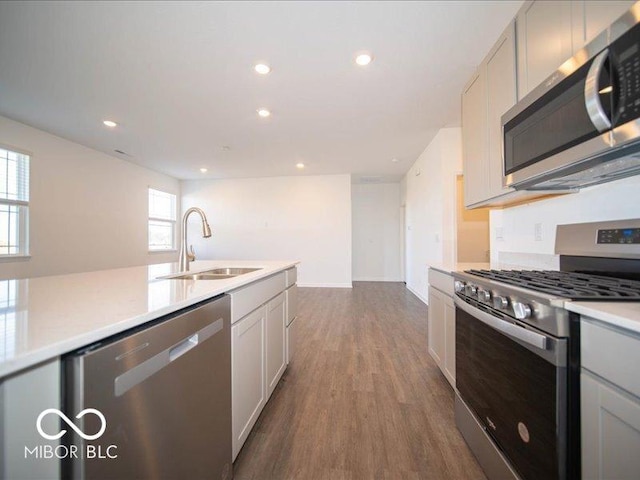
178,78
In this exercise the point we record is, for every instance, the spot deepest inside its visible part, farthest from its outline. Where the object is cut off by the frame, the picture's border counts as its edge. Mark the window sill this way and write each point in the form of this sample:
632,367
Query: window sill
153,252
14,258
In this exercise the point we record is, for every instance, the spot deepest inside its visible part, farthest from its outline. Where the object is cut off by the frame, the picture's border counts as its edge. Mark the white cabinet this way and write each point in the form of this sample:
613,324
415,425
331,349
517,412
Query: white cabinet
248,391
591,17
487,96
549,33
544,41
258,348
436,326
501,96
292,320
610,401
449,340
474,139
610,431
442,324
23,397
275,342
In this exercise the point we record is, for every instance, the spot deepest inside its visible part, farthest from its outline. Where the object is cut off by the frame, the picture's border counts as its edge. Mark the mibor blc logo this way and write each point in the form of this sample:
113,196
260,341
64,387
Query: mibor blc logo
98,413
88,451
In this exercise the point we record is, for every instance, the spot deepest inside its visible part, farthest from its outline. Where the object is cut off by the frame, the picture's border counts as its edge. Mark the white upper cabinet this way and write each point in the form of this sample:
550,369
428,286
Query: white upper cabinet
501,96
549,33
488,95
544,41
474,138
591,17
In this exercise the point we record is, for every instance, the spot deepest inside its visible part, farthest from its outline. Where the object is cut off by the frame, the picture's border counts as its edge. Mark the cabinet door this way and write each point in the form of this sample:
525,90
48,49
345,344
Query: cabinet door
450,340
248,390
501,96
474,139
544,41
591,17
436,328
610,431
275,342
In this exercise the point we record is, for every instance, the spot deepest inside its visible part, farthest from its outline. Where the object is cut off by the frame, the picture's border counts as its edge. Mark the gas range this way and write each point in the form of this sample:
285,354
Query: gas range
598,262
569,285
518,350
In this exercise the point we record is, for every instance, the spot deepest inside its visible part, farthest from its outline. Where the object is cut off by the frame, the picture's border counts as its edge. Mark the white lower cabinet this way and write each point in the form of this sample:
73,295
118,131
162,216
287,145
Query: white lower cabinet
23,397
276,342
449,369
610,401
610,431
442,324
258,349
248,374
436,326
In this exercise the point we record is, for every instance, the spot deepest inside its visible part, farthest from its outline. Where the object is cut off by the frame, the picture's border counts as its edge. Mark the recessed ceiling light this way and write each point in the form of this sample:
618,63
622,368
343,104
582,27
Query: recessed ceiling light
394,160
300,165
204,170
262,68
264,113
110,123
364,59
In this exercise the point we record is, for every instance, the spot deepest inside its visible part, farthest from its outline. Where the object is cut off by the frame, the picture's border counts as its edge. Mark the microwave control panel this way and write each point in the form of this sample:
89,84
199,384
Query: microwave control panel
626,50
619,236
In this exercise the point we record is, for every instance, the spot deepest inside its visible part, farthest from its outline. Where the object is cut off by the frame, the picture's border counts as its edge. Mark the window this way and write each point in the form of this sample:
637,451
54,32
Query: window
162,220
14,203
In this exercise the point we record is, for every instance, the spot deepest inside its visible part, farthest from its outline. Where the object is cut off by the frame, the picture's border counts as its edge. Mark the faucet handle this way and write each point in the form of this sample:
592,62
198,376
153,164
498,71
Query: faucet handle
191,254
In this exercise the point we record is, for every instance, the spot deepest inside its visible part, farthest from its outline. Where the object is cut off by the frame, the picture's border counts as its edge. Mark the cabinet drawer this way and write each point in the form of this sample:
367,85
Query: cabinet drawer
441,281
612,354
292,303
292,276
246,299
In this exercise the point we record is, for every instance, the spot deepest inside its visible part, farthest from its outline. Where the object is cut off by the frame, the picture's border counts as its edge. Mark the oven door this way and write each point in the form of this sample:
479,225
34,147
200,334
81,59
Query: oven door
514,378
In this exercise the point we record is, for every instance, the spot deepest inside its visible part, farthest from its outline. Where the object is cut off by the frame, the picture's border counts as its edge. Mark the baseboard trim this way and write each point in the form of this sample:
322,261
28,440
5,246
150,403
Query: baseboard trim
377,279
420,297
325,285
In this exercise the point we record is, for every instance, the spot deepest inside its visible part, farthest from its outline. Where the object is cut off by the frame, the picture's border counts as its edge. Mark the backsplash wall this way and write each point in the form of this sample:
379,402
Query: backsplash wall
530,228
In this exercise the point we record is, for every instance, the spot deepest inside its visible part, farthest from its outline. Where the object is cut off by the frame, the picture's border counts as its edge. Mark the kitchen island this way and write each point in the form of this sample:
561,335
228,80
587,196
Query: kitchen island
47,318
51,316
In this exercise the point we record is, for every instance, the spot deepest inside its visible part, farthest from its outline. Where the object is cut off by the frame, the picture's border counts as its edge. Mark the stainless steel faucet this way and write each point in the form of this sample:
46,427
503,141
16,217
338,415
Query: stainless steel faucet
187,256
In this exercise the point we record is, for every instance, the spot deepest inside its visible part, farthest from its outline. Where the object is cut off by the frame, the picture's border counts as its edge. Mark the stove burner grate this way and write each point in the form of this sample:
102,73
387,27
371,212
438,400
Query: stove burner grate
572,285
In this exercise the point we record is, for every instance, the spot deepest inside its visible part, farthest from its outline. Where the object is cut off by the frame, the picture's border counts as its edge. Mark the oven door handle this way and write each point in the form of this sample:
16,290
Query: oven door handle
527,336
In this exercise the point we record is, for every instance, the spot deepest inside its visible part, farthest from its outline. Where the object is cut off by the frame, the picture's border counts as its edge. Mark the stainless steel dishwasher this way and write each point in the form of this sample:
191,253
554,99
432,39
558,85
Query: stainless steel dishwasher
162,392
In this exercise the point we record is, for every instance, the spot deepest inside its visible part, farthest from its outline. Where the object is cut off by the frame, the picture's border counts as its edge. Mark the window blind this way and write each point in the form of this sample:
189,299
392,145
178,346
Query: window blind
14,177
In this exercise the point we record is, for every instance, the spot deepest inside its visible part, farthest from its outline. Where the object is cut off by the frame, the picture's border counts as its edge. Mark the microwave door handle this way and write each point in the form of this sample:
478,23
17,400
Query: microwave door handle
527,336
592,94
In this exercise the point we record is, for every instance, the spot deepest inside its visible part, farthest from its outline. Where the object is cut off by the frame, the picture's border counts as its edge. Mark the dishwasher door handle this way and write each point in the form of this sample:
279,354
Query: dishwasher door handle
136,375
183,347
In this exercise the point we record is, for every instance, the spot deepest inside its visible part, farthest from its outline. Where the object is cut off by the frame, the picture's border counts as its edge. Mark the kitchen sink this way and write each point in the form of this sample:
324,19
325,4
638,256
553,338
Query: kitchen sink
232,271
214,274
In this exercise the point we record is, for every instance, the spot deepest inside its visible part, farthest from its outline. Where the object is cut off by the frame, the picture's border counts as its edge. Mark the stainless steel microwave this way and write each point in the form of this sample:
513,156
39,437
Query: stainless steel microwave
582,125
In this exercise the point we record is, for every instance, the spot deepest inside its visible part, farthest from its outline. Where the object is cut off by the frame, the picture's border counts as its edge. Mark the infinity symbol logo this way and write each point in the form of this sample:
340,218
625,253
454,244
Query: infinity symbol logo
71,424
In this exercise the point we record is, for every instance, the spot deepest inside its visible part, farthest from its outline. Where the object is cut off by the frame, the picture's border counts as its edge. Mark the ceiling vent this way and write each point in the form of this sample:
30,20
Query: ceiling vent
371,179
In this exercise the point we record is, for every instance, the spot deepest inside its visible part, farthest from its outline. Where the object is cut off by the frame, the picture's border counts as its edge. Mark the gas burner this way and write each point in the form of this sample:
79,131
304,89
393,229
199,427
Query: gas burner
569,285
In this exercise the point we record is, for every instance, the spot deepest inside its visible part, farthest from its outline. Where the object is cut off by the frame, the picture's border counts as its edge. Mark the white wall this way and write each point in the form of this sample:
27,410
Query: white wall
376,232
306,218
430,203
88,211
611,201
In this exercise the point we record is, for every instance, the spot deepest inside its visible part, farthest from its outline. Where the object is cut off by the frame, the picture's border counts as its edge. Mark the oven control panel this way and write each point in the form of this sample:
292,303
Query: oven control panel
619,236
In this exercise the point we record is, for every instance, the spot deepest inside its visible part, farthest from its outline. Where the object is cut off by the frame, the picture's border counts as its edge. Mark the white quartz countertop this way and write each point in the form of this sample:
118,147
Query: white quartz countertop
45,317
624,315
449,268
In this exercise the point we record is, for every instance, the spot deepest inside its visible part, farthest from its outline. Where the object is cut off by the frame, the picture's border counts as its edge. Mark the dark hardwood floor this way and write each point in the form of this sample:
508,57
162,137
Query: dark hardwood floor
362,398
